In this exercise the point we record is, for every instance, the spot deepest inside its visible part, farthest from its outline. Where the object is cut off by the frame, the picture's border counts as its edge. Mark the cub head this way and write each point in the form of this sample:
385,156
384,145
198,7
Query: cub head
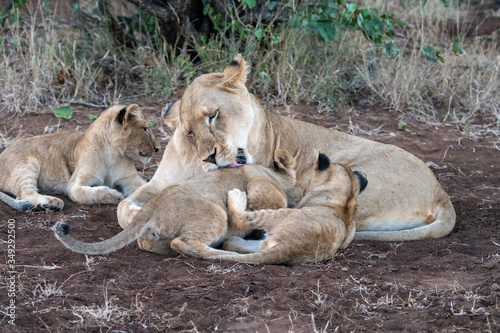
336,178
216,114
130,132
284,164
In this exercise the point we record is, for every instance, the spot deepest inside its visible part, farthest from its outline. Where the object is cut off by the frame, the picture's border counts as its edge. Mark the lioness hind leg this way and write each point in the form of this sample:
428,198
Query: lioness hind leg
27,179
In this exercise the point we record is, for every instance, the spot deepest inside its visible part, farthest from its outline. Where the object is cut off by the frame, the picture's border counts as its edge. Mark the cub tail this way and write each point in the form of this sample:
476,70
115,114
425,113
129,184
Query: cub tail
127,236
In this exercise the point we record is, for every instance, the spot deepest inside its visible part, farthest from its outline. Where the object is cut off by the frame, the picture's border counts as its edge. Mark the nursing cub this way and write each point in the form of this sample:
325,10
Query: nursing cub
88,167
190,217
321,223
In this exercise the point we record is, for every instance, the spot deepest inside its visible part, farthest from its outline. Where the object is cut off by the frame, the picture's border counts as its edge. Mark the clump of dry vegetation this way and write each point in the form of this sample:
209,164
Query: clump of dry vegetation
62,54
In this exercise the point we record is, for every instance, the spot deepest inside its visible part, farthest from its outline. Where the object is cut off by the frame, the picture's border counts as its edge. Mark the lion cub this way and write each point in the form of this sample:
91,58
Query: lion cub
88,167
192,216
313,230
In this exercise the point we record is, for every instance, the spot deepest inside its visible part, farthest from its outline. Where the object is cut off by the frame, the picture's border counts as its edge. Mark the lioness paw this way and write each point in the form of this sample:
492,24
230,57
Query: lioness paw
110,196
48,203
237,199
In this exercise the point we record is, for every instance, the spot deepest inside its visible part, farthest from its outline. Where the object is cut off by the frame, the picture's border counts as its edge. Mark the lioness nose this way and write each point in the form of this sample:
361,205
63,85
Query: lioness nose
157,150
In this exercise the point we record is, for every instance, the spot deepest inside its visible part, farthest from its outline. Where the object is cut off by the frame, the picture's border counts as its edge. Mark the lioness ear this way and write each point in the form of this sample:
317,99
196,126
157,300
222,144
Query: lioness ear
283,160
322,162
127,113
362,180
237,71
170,114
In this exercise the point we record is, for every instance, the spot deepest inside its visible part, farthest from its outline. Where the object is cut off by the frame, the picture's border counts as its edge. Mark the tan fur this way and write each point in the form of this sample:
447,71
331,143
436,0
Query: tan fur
88,167
403,191
320,224
195,212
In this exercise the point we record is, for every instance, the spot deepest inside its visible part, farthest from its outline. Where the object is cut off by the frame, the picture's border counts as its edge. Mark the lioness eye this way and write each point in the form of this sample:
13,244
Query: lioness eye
213,116
145,129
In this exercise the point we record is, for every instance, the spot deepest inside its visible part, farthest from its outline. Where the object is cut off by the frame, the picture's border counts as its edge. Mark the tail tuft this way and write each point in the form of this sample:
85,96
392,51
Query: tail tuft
25,206
61,228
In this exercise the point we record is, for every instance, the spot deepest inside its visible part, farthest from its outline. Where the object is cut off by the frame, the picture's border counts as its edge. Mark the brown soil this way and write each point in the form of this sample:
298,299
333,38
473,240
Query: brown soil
446,285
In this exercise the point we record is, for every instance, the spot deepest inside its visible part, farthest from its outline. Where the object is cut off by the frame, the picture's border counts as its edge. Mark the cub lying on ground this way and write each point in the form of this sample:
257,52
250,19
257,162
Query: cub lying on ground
194,213
85,166
321,223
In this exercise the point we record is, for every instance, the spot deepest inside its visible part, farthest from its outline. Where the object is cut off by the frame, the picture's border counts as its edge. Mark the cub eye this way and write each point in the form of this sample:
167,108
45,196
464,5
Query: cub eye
145,129
213,116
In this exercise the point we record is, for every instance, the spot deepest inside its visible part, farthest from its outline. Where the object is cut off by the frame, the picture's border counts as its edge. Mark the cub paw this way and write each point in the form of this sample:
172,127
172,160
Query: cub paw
237,199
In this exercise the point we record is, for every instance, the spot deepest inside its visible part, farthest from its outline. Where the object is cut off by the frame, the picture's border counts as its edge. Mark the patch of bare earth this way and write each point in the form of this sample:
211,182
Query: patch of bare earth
443,285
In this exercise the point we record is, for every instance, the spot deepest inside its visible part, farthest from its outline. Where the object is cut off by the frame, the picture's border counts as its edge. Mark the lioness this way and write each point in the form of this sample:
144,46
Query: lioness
194,213
320,224
85,166
217,117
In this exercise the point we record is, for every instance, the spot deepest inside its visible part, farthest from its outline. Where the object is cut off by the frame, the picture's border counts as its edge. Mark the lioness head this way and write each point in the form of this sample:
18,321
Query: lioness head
131,132
210,110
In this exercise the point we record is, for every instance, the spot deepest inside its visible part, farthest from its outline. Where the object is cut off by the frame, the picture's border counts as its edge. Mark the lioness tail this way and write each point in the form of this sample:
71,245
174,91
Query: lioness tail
21,205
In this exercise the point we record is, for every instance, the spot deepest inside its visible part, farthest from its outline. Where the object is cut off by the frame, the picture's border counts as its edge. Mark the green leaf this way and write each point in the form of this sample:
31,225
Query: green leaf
402,126
249,3
400,23
46,6
74,6
92,117
63,112
351,8
151,122
456,46
258,33
427,51
445,3
438,56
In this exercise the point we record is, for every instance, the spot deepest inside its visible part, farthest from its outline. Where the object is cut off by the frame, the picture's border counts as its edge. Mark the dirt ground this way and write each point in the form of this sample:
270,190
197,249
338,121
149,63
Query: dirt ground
444,285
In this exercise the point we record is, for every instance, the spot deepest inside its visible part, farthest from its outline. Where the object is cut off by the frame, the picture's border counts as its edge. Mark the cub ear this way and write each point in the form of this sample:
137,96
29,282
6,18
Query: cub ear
322,162
127,113
283,160
236,72
362,180
170,114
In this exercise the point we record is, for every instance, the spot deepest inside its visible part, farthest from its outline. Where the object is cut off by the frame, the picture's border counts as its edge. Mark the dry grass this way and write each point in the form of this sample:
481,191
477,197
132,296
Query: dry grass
45,65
